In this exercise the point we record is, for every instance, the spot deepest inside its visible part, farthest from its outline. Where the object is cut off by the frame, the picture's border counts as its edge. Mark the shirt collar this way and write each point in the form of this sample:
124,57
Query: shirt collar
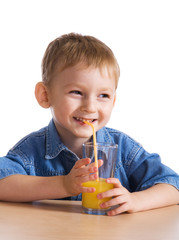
103,136
54,144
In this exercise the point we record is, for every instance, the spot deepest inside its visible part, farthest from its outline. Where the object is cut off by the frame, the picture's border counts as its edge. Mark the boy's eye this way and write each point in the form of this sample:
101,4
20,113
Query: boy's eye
104,95
76,92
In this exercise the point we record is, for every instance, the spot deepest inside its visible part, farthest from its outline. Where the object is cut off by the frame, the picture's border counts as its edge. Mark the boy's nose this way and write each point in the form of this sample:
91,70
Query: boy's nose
88,105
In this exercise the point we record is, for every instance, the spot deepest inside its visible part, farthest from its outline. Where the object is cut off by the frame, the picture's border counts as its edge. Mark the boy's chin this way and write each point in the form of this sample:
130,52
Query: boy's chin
84,135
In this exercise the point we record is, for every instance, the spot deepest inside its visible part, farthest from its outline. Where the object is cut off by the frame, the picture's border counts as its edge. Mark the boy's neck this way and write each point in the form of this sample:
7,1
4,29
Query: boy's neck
75,146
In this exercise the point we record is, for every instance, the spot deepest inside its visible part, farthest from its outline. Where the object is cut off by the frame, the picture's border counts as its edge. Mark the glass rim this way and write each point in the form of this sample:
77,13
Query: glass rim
101,144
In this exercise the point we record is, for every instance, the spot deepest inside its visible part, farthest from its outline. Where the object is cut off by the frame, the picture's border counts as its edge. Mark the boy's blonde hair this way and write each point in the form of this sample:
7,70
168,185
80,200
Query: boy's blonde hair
72,49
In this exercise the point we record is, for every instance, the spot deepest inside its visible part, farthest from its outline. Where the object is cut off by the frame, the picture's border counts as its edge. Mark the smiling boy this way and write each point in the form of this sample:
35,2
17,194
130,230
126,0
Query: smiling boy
80,76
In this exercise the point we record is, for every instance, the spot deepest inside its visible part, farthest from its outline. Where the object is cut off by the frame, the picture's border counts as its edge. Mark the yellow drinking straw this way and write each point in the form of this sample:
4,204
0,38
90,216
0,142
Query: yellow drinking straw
95,149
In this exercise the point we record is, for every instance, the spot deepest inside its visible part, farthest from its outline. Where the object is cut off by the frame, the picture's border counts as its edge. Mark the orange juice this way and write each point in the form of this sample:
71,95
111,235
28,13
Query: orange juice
90,200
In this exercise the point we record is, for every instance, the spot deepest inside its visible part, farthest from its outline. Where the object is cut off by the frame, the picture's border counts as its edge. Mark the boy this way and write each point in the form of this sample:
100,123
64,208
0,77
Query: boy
80,75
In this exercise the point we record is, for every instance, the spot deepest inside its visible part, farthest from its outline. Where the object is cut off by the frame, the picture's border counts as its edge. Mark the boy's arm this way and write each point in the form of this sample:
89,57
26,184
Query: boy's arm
25,188
159,195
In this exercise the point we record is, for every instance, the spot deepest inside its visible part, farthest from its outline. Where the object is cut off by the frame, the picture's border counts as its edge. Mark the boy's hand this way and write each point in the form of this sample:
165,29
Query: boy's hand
159,195
82,171
121,198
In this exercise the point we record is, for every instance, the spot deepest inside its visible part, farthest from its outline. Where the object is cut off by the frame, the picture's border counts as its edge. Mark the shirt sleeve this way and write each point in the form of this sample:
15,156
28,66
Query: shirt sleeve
144,169
147,170
12,164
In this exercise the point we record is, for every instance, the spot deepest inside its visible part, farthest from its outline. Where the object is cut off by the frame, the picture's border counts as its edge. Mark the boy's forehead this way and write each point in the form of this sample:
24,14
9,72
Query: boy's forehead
83,69
78,77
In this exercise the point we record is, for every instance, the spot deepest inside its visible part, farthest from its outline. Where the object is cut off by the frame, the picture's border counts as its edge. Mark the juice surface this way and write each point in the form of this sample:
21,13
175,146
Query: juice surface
89,200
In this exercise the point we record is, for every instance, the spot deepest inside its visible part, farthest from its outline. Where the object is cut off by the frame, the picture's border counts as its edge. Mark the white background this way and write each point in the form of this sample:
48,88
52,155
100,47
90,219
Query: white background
144,35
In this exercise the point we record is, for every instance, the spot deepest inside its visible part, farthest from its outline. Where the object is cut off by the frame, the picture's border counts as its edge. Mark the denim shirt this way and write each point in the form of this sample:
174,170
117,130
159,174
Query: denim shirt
42,153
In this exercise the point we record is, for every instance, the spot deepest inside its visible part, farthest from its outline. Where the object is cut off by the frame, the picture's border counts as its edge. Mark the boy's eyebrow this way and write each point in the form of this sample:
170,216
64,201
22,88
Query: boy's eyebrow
106,89
74,85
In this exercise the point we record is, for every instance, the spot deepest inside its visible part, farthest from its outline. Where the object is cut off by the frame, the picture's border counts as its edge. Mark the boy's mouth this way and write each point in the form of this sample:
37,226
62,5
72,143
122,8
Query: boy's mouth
82,119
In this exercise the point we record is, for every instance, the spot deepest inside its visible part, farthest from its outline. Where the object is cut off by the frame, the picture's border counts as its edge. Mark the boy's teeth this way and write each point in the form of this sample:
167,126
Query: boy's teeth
81,119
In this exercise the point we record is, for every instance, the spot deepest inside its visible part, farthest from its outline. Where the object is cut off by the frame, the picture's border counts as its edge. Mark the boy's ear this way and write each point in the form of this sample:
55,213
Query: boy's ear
114,100
41,95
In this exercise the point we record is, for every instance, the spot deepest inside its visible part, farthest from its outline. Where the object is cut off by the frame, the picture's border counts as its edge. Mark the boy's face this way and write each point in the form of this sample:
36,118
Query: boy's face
81,93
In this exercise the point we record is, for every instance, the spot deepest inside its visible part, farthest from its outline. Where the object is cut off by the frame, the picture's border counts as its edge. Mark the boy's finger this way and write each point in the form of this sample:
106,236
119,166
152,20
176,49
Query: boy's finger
83,171
122,208
87,178
115,181
82,162
88,189
91,168
100,163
